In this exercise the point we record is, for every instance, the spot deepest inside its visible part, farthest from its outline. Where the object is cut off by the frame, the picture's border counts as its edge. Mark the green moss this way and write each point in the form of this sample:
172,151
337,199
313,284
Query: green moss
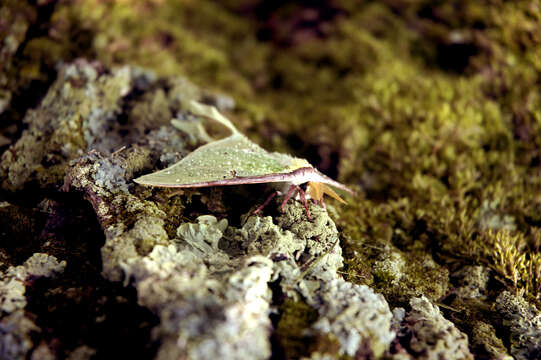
430,110
296,318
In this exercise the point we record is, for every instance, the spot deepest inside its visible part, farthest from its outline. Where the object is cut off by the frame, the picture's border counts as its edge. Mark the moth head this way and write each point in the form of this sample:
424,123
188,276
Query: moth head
317,190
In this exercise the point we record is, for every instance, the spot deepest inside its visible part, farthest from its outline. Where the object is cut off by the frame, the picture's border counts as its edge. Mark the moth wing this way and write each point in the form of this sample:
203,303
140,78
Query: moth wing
232,160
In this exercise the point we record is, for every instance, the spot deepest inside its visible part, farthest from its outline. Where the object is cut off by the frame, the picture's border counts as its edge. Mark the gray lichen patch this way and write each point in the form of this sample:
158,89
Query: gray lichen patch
208,282
38,265
260,235
400,275
359,318
56,129
16,327
523,321
131,225
12,281
472,282
12,294
84,104
428,335
15,335
389,268
203,314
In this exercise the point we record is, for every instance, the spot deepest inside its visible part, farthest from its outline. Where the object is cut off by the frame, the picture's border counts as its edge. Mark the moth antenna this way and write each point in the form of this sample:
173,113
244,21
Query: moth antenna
212,113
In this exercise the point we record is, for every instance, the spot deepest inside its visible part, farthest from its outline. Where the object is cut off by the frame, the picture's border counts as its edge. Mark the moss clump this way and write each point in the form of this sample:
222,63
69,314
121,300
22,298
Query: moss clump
511,258
295,319
431,110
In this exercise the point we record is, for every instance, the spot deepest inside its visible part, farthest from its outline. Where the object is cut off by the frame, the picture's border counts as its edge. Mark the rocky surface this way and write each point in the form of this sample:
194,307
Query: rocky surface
211,285
17,329
431,336
428,111
524,324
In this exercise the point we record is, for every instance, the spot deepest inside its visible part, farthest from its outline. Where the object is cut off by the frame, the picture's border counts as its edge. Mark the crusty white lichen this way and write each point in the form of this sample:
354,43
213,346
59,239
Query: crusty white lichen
205,235
15,326
42,265
205,314
359,318
12,281
523,321
472,282
209,282
12,294
15,335
79,97
431,336
389,267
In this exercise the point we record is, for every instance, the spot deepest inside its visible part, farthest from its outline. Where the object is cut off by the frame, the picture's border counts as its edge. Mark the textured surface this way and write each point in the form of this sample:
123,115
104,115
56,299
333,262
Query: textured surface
433,336
430,110
524,323
16,328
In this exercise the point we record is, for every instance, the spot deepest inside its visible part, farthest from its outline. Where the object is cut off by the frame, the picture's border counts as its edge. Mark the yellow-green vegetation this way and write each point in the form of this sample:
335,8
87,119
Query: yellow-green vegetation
510,258
296,318
433,112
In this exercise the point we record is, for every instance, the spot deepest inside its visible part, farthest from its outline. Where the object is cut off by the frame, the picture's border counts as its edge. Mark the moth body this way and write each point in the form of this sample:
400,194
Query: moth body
236,160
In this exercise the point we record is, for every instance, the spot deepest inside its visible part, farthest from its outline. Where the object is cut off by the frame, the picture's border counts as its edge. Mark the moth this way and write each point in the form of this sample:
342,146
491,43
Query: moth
236,160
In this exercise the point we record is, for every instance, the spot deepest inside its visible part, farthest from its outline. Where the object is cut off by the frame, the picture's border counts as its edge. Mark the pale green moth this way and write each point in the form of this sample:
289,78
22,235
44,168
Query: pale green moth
236,160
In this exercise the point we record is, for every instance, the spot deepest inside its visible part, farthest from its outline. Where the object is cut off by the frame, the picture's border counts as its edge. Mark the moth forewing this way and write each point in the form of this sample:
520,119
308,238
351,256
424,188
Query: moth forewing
235,160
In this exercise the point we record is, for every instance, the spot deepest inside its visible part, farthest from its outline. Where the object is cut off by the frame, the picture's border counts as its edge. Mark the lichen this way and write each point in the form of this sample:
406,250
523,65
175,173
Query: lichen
523,322
472,282
13,282
431,336
359,318
200,316
430,110
17,327
15,335
389,268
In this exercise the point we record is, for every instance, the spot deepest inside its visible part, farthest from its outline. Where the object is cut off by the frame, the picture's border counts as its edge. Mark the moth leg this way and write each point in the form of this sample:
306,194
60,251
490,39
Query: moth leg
290,193
304,202
265,203
175,192
322,203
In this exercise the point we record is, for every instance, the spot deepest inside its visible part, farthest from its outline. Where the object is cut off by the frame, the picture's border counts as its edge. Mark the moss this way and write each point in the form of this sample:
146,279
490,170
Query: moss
296,317
430,110
510,257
